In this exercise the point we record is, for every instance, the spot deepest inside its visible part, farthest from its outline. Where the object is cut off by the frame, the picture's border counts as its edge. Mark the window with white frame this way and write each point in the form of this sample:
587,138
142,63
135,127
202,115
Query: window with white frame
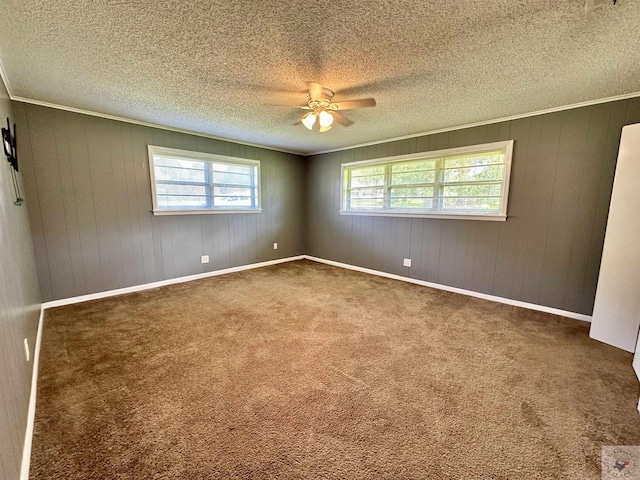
194,182
468,182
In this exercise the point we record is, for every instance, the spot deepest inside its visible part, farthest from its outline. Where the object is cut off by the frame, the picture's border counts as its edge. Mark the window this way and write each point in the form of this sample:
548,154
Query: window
192,182
468,182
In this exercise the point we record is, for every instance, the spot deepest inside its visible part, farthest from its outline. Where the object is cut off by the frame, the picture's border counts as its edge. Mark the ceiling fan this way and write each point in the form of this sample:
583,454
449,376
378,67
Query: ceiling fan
324,111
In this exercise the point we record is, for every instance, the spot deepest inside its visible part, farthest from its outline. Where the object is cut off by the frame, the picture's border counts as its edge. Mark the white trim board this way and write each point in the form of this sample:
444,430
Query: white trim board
26,453
331,150
31,414
162,283
146,124
587,103
470,293
5,79
188,278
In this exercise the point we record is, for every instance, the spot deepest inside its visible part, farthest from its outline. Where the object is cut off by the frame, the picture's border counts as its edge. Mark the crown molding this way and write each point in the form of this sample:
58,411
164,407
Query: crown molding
145,124
485,122
587,103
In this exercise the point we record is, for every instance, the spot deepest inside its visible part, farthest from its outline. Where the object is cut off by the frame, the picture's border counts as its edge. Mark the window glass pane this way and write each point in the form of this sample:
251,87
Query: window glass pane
171,201
179,174
472,203
233,202
475,160
367,203
231,178
413,166
367,198
425,176
177,189
367,193
411,202
160,161
371,181
192,180
224,167
412,192
482,173
465,183
471,190
232,191
367,171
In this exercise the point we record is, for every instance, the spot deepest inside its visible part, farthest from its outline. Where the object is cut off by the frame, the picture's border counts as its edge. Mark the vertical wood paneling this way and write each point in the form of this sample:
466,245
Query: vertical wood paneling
587,204
508,236
538,223
19,297
47,180
93,225
27,170
137,241
63,154
617,120
120,188
104,199
149,235
564,205
547,252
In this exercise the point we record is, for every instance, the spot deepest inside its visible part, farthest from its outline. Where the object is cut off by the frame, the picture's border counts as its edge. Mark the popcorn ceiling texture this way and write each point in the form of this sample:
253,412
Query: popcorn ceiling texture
213,66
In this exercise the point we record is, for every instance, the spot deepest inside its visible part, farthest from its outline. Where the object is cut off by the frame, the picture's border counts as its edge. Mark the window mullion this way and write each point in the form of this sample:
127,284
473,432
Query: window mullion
253,188
208,179
348,191
438,190
387,187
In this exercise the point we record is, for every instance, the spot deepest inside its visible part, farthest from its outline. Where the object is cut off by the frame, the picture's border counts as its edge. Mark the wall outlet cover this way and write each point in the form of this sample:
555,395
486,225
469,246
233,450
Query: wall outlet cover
275,246
406,262
204,258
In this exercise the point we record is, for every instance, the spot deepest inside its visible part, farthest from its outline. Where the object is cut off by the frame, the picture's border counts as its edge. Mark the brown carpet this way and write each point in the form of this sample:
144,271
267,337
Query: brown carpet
304,370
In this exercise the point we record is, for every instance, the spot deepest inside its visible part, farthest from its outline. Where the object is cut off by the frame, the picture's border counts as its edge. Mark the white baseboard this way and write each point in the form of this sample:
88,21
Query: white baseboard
162,283
493,298
31,413
26,454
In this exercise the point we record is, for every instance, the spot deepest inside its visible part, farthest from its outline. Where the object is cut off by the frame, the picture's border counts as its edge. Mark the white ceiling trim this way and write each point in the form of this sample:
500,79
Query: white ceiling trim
5,80
486,122
587,103
32,101
144,124
295,152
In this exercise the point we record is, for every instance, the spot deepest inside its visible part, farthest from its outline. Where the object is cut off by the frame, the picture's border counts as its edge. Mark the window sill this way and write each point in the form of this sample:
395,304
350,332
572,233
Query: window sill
204,212
442,216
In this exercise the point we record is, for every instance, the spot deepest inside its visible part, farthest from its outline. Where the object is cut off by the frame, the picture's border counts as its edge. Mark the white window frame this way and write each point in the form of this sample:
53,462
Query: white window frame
206,157
506,146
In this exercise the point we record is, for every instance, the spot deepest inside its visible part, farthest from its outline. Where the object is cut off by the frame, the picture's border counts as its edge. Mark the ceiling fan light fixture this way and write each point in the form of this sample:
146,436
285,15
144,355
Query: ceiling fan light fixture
308,120
326,120
325,129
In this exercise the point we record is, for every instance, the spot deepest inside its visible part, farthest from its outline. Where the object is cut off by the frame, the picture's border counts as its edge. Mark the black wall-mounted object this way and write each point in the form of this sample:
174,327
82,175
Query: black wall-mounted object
11,151
9,144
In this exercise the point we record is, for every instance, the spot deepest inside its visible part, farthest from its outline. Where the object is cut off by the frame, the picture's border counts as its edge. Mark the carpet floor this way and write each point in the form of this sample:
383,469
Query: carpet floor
304,370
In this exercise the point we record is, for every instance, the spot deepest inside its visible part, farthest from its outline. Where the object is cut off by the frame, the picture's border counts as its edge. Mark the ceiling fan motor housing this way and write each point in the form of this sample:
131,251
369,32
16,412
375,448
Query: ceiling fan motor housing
323,101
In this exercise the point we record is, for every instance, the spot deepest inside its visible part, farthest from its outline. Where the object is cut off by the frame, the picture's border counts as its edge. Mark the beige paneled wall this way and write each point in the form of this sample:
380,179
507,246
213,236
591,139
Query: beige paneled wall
547,252
91,218
19,311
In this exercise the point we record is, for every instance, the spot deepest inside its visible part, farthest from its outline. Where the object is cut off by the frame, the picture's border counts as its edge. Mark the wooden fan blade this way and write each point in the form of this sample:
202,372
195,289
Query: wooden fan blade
285,105
315,90
341,119
351,104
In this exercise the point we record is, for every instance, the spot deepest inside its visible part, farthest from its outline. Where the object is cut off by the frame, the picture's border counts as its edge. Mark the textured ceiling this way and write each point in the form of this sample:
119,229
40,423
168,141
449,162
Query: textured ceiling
213,66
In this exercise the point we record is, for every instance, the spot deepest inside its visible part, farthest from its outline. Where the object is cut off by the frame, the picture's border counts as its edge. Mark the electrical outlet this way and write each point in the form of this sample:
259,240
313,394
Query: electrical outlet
26,348
275,246
406,262
204,259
